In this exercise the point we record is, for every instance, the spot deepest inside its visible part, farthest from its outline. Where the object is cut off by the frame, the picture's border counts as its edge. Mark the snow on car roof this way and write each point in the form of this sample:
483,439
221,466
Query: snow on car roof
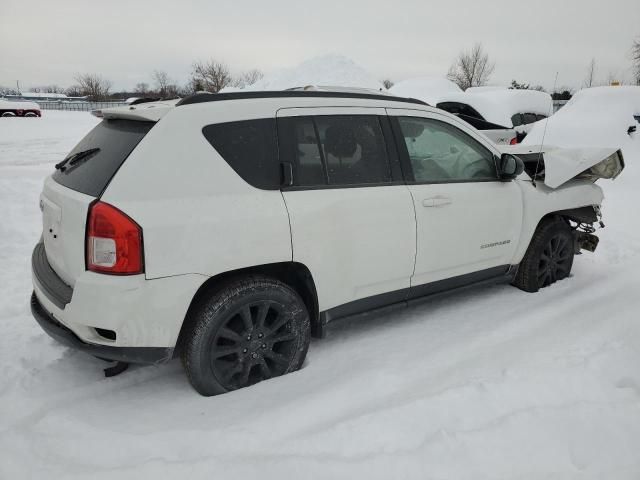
498,106
427,89
486,88
325,70
15,105
42,95
594,117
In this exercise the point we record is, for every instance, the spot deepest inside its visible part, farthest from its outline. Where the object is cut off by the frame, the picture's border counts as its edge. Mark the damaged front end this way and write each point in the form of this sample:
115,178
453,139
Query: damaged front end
556,166
582,222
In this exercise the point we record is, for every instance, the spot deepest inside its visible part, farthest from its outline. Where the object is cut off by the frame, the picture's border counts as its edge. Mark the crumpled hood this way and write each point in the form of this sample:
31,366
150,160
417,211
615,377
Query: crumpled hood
559,165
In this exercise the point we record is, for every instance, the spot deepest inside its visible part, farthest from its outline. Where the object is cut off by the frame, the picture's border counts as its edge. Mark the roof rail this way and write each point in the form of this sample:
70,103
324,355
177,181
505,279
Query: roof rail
332,88
218,97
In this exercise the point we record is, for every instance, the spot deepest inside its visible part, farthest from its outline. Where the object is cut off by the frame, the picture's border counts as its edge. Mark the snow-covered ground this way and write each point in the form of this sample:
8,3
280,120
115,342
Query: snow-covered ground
489,383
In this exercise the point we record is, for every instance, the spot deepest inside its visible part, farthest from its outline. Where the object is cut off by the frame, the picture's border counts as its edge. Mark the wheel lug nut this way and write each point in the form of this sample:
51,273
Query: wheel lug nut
254,355
244,350
248,337
260,335
264,345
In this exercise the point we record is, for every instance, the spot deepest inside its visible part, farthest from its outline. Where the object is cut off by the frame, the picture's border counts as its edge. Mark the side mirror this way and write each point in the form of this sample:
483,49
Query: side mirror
631,129
509,167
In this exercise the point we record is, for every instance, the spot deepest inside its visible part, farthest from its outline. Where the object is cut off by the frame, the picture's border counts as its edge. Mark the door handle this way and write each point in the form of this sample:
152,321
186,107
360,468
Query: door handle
437,201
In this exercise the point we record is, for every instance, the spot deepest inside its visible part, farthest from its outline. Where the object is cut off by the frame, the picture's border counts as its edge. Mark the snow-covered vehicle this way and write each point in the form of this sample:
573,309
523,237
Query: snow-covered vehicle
427,89
227,229
10,108
594,117
504,115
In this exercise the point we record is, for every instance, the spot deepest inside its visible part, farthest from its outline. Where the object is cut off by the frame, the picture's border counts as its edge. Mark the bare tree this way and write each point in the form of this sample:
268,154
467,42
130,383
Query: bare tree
515,85
472,68
590,79
248,78
8,91
161,80
165,87
635,59
142,89
387,83
73,91
94,86
211,76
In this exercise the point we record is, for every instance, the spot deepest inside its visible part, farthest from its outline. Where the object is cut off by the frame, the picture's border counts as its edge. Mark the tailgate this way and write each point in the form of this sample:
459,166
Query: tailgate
64,215
77,182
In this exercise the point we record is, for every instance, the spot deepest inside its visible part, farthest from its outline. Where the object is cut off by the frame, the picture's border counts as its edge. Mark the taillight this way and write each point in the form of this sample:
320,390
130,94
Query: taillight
114,241
513,141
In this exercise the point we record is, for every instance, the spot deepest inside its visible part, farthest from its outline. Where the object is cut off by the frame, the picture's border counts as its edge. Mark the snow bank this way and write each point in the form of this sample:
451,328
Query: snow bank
594,117
427,89
328,70
499,105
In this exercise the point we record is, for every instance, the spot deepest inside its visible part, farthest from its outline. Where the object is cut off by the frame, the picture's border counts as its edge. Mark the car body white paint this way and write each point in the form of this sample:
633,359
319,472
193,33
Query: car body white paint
200,219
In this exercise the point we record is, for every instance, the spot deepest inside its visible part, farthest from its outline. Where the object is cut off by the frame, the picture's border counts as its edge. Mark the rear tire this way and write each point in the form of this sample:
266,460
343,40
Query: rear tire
251,330
549,257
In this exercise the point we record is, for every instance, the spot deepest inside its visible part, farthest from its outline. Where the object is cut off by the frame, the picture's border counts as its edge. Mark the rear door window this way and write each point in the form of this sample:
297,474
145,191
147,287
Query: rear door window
299,148
354,150
108,146
529,118
335,150
250,148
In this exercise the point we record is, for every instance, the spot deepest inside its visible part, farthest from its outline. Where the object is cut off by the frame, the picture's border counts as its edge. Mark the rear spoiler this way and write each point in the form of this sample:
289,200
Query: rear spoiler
144,112
555,166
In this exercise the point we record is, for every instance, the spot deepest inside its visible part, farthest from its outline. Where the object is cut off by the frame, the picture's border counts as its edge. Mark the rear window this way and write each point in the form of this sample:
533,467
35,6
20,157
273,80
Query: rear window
460,109
517,120
250,148
111,141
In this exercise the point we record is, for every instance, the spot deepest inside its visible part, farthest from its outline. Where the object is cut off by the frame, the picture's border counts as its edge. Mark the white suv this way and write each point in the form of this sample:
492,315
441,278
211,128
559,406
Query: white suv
227,229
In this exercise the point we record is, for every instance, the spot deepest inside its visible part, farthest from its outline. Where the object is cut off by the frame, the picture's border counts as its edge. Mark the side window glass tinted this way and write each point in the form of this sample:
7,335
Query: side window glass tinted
440,152
516,120
353,149
529,118
307,160
249,147
334,150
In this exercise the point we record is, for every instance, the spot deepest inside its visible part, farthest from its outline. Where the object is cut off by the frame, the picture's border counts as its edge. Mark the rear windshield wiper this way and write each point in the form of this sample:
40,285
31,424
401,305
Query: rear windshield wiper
75,158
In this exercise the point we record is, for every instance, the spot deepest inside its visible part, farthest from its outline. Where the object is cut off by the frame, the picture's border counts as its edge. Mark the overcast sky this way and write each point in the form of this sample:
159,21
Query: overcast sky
49,41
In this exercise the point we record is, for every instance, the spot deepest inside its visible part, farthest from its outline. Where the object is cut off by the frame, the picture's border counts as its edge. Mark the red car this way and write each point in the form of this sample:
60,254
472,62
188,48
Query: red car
19,109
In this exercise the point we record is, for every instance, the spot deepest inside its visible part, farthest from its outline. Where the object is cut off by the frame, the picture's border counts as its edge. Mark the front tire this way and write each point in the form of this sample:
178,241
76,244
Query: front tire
251,330
549,257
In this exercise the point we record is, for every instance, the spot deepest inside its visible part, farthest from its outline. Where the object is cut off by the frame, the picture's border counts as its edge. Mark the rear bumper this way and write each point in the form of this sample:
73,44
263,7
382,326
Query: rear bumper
146,355
144,317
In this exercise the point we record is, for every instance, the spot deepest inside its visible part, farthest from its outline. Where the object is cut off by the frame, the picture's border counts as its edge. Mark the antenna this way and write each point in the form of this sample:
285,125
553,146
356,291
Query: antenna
544,133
